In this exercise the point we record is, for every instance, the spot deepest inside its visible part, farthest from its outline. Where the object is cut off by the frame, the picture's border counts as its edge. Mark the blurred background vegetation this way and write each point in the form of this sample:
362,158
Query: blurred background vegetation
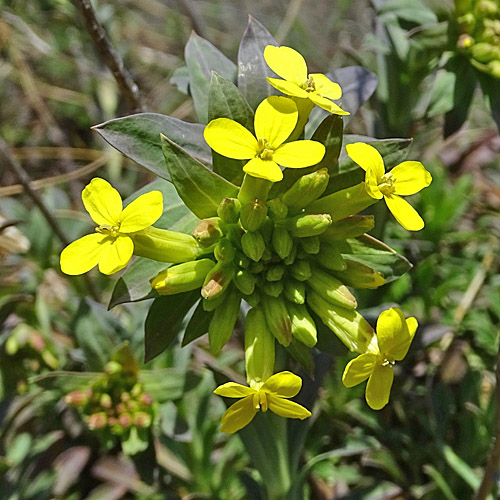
57,338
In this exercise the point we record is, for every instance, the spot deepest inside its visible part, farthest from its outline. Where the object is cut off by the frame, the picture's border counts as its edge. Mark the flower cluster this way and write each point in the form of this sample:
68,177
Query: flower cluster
284,244
479,22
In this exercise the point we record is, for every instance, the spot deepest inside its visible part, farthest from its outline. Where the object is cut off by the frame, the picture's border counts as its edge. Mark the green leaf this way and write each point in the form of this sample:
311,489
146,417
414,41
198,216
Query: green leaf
302,354
138,138
252,67
413,11
376,255
225,101
137,441
201,58
491,90
66,381
329,133
440,482
198,324
164,321
201,189
163,385
180,78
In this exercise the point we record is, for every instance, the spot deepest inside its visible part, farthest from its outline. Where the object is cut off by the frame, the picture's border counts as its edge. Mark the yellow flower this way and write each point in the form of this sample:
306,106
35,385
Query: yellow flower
275,119
404,179
291,66
273,394
111,246
394,336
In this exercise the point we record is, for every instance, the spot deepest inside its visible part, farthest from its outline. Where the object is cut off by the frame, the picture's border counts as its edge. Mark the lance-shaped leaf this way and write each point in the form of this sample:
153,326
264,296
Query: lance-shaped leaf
198,324
252,67
201,58
201,189
163,385
491,90
164,321
138,138
226,101
376,255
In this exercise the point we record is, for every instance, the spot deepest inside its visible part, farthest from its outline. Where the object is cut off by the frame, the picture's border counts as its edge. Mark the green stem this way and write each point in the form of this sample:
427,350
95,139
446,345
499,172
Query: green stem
254,187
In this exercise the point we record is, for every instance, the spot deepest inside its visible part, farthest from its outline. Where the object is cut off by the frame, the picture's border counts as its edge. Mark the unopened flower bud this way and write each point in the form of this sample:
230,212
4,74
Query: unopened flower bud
78,398
494,68
358,275
282,241
277,319
245,281
329,257
217,280
224,251
331,289
273,288
256,267
165,246
11,345
146,399
275,272
253,299
259,347
222,323
465,41
136,390
208,231
113,367
290,258
182,277
253,245
229,210
300,270
125,397
350,227
125,420
97,421
310,245
308,225
306,189
277,209
105,401
142,419
485,52
487,8
303,327
37,342
295,291
241,260
253,214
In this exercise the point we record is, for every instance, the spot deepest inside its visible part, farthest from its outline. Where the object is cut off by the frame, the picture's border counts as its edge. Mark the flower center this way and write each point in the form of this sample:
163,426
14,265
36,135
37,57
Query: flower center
264,150
260,401
309,85
108,230
386,184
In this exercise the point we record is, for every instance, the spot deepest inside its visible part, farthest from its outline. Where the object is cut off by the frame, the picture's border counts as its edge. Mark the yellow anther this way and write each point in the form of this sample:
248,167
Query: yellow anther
309,85
108,230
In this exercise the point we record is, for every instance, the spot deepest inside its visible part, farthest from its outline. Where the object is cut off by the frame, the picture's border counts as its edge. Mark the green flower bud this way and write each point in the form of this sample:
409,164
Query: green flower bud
331,289
484,52
165,246
222,323
290,258
358,275
78,398
275,272
310,244
259,347
208,231
494,68
273,288
229,210
253,214
303,327
224,251
142,419
217,280
301,270
349,326
97,421
253,245
277,319
343,203
256,267
11,345
329,257
295,291
308,225
245,281
253,299
267,255
241,260
125,397
306,189
277,209
137,390
487,8
282,241
105,401
182,277
213,304
253,187
113,367
350,227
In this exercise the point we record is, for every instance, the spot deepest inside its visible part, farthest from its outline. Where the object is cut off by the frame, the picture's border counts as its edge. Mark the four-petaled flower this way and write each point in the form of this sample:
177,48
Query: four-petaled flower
407,178
297,82
394,336
275,119
273,394
111,246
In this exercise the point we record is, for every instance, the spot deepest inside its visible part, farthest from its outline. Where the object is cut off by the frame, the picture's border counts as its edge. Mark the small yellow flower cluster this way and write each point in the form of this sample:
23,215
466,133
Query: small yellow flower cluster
282,255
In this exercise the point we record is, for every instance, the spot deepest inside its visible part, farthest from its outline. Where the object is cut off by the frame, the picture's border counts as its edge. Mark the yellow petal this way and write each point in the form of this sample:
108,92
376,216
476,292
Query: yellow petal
142,212
393,335
404,213
288,88
231,139
412,325
287,409
117,255
299,154
287,63
102,201
238,415
275,119
371,183
264,169
233,390
326,104
359,369
325,87
367,157
285,384
379,387
83,254
410,177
